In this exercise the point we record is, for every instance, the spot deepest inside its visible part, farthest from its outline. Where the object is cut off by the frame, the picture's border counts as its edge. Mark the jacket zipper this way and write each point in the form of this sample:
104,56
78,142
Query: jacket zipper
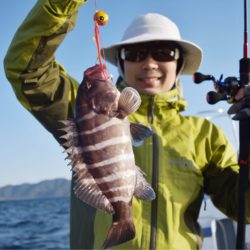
155,168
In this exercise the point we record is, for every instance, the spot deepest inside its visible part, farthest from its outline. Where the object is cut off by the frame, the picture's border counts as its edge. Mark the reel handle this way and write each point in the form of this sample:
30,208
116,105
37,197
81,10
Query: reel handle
214,97
199,77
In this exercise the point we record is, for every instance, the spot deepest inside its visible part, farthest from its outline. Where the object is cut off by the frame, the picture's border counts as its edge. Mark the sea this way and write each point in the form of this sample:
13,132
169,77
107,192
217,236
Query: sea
35,224
44,224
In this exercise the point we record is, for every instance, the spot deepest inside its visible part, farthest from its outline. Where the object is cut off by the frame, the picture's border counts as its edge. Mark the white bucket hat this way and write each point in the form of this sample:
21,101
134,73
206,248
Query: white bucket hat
155,27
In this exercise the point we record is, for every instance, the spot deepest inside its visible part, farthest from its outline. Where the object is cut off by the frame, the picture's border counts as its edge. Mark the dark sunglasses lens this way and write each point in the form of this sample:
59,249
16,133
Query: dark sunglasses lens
163,55
130,55
134,55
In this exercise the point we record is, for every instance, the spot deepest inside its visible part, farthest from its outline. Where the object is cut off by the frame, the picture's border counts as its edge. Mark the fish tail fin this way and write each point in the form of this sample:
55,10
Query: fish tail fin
119,233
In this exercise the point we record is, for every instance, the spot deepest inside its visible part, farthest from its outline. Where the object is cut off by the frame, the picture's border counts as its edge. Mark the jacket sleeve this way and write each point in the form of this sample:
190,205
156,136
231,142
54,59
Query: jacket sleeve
39,82
221,176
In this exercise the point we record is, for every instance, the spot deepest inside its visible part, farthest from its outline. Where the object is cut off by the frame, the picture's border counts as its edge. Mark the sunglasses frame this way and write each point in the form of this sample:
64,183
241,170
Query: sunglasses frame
149,49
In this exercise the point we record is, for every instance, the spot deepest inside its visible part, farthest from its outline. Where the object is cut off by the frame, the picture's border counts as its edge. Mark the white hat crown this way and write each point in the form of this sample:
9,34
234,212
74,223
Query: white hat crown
154,25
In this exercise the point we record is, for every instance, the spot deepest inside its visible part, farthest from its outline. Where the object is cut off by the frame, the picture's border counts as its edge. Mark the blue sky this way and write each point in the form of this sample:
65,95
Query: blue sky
30,154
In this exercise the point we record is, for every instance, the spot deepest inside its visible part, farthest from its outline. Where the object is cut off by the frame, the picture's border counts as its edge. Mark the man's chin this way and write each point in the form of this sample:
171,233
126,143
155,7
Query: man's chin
149,91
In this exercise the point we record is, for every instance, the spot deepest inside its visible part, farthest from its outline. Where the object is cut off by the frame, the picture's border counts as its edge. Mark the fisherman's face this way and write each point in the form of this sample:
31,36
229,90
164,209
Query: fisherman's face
150,68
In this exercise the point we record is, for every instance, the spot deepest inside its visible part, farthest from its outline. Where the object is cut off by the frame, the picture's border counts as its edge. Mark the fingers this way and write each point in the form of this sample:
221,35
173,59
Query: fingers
241,109
242,114
236,107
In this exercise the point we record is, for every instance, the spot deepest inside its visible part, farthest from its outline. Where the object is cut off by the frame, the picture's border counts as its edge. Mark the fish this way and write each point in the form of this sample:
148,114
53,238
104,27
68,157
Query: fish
99,143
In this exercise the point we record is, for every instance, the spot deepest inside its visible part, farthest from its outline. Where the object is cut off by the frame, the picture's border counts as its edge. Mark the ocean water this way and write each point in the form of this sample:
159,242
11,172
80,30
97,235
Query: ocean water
34,224
44,224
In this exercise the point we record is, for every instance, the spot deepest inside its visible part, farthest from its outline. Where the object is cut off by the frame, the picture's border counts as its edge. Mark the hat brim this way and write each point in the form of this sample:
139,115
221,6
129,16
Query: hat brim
192,54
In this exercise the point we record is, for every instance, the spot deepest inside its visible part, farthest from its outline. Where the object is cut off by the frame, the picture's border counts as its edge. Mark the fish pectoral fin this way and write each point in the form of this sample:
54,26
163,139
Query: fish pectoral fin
87,190
129,101
139,133
143,190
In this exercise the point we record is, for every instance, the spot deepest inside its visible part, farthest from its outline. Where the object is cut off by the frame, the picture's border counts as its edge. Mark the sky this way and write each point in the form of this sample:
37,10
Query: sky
30,154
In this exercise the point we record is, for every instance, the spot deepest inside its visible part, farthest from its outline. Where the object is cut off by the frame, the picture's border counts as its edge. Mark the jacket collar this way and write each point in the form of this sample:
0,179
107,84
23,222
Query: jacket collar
165,105
166,100
171,99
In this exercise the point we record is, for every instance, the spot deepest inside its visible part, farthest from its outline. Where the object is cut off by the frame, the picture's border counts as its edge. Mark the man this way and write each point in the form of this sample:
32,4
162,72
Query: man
185,158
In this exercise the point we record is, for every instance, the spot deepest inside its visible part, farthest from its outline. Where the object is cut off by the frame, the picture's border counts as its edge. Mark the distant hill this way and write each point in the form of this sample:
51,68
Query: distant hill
44,189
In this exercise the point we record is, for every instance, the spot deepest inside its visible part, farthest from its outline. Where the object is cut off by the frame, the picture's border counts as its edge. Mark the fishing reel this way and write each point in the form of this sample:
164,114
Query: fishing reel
225,90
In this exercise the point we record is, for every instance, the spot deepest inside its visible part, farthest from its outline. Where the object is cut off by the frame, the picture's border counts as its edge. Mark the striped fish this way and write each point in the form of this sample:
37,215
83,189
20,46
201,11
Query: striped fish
98,143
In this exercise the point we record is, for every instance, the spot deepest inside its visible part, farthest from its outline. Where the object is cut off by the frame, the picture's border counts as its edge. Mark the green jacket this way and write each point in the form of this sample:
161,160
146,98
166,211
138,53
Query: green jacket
185,158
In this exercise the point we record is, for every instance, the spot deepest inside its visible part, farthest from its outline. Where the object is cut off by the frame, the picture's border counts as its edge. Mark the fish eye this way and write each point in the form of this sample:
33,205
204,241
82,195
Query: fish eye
88,85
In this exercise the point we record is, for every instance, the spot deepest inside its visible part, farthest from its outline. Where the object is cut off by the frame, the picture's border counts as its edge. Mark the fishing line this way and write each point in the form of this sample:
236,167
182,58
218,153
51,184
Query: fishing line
100,19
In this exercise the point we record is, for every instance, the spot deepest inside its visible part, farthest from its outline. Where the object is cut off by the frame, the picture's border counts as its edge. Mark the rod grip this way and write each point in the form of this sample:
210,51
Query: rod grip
244,71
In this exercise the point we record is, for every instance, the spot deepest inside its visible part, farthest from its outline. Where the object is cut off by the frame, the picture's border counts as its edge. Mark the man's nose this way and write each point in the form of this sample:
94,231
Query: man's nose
150,63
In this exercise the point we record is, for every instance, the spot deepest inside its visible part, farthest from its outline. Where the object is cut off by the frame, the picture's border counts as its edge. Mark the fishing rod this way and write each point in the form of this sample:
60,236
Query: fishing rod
226,90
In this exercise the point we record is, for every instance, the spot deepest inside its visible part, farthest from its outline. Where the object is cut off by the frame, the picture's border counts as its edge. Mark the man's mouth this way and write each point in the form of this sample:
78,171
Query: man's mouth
149,80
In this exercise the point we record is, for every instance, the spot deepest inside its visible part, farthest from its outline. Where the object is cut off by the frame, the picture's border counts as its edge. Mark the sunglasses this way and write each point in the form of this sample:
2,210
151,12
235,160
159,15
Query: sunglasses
160,54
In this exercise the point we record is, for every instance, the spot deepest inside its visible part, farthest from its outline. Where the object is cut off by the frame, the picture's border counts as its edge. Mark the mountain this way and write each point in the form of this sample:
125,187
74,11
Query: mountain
44,189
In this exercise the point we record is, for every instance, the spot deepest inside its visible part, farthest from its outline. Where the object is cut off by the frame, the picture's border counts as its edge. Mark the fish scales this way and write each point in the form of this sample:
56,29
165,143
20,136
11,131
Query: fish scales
114,143
98,141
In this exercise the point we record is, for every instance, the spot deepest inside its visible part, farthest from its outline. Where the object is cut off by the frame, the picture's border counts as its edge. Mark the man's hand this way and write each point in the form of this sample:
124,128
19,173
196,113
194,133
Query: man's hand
241,108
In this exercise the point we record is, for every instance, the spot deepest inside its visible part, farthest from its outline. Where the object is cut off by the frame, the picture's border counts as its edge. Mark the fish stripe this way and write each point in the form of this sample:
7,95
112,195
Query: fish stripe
117,183
115,159
88,116
115,189
121,198
96,156
95,121
108,133
101,127
106,143
113,177
109,169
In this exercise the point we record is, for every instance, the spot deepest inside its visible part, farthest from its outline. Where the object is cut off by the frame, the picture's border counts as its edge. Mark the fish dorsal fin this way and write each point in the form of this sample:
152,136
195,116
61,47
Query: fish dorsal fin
87,190
129,101
85,187
143,190
139,133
